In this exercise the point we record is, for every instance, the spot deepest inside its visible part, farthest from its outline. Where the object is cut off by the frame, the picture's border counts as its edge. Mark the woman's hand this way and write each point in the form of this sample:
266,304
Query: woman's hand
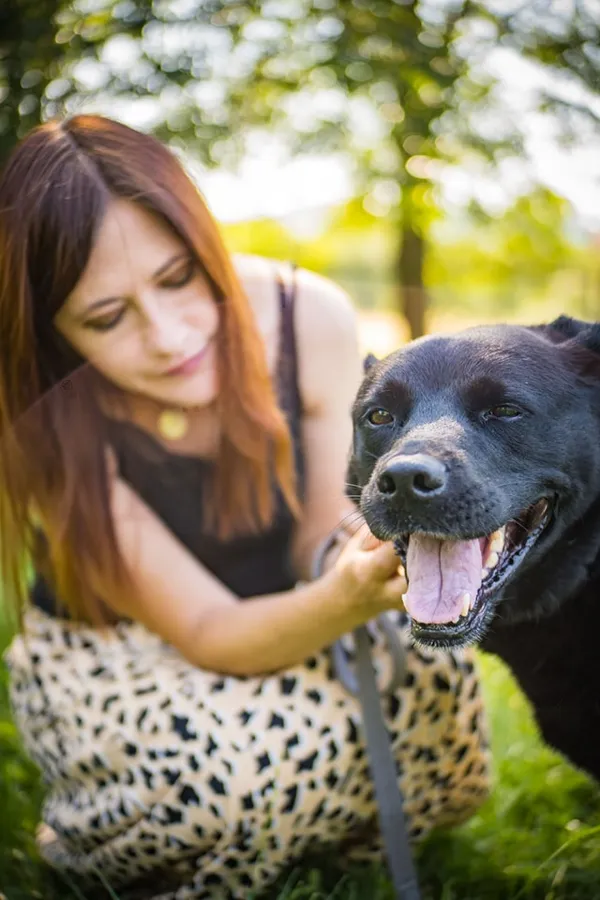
369,574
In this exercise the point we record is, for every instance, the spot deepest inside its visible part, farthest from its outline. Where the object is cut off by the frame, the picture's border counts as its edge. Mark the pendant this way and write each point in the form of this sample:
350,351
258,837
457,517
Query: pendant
173,424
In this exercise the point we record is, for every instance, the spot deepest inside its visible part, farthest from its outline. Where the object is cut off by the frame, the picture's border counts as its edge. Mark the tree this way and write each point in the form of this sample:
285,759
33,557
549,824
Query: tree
491,266
561,36
318,71
28,62
42,42
386,55
389,82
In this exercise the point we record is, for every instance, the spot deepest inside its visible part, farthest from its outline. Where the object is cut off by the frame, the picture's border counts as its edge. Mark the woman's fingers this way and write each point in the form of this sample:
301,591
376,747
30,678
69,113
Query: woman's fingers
375,560
370,542
380,557
395,589
356,541
384,560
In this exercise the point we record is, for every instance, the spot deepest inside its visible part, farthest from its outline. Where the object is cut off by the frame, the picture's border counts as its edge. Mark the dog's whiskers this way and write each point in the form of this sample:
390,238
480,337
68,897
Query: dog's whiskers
350,518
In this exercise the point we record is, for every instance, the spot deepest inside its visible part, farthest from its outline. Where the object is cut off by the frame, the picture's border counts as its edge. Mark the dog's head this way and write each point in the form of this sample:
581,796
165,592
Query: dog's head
476,453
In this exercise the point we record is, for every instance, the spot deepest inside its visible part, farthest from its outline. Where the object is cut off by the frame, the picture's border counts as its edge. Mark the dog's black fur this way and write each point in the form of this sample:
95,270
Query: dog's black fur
446,398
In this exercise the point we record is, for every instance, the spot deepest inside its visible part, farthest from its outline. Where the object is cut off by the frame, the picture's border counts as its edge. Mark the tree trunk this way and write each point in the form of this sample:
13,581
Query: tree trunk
413,296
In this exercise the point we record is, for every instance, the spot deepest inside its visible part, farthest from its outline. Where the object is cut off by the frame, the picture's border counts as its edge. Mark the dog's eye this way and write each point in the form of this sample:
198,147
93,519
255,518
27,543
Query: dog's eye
379,417
504,411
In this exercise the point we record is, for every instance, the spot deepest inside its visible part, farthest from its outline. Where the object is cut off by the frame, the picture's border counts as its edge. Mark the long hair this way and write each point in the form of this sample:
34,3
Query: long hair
54,191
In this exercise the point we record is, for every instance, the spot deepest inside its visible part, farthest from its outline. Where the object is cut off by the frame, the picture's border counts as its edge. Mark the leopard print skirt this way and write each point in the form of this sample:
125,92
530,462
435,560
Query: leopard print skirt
182,783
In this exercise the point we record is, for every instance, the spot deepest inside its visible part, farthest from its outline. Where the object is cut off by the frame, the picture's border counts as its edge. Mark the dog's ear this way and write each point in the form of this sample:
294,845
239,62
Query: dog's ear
590,337
565,328
369,361
580,341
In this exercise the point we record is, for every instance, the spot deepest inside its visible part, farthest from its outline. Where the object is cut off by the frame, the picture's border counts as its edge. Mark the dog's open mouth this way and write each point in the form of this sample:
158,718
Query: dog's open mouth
450,581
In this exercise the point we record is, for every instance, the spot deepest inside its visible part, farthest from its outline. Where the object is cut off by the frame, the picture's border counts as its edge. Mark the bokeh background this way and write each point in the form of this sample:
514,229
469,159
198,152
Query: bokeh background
440,159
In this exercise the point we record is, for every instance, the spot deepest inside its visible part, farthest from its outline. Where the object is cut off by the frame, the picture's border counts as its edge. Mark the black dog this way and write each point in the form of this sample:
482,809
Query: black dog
478,454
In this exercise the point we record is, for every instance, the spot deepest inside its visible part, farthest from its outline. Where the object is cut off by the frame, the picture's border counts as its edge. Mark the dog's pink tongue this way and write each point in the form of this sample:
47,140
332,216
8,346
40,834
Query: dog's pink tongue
439,574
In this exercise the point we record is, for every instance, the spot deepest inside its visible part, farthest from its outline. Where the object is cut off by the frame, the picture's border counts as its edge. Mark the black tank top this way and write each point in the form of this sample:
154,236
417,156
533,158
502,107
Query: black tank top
172,486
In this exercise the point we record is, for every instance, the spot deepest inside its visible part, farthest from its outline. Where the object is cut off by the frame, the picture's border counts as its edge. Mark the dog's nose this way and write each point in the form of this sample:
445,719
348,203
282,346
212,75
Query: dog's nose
417,475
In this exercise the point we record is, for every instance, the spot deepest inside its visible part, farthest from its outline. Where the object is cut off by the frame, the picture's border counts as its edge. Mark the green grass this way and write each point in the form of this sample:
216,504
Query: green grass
537,838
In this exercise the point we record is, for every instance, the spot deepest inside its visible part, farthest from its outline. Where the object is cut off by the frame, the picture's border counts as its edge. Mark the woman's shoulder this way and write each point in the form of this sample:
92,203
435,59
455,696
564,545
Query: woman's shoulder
253,269
326,329
323,309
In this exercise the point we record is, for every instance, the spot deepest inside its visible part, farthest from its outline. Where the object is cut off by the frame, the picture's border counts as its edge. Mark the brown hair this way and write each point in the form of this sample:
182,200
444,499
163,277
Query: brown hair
53,194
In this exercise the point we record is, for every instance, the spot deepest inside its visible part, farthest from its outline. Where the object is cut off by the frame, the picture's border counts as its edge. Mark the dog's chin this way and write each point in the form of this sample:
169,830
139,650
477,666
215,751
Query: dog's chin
504,552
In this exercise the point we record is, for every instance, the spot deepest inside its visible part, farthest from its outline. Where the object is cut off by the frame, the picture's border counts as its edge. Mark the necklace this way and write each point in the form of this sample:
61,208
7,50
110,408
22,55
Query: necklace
173,424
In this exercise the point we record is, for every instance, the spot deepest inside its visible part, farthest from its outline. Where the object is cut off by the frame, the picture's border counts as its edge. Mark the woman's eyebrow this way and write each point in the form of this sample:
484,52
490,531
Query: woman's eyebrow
105,301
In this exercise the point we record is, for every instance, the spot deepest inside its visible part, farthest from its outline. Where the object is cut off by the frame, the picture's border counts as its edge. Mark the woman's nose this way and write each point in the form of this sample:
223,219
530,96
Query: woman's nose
166,332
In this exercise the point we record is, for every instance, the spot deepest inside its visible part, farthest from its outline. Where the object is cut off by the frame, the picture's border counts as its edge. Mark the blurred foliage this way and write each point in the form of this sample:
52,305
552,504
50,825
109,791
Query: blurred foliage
398,85
379,80
29,57
524,262
376,79
345,235
564,37
501,262
42,45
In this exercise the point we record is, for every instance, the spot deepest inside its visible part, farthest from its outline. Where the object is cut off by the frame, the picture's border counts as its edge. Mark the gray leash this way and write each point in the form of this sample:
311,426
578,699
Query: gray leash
363,684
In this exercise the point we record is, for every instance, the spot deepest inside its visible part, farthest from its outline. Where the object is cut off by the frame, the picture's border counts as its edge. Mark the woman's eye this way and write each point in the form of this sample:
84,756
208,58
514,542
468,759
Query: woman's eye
107,323
180,277
504,411
380,417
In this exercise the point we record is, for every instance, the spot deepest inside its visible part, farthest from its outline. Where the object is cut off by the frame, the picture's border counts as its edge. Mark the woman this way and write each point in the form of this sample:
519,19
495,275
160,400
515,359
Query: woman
175,428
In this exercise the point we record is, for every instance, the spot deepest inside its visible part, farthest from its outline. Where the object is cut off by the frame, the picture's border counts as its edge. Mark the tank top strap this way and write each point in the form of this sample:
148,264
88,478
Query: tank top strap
287,363
290,398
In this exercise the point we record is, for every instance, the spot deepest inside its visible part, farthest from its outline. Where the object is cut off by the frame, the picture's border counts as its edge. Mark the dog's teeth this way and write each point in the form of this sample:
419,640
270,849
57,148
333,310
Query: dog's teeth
491,560
497,542
466,604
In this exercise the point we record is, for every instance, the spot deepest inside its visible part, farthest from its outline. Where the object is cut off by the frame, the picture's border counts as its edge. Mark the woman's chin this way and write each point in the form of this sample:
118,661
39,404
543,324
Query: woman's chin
203,393
194,392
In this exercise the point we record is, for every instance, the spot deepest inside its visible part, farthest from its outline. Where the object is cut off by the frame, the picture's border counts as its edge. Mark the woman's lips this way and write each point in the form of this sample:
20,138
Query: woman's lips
190,365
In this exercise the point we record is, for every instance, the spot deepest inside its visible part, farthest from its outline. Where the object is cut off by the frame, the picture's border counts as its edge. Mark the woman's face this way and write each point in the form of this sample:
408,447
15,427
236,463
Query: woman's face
142,313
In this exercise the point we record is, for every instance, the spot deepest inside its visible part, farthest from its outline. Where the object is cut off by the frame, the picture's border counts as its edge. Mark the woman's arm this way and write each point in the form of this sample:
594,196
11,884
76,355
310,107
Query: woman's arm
179,599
